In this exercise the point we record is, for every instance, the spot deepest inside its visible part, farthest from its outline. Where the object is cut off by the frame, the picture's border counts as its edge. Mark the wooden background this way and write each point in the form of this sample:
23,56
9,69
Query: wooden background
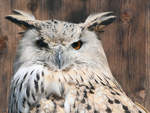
126,41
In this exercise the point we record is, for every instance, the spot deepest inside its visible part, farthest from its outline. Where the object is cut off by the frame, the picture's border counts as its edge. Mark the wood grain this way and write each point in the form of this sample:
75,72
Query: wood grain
126,42
147,62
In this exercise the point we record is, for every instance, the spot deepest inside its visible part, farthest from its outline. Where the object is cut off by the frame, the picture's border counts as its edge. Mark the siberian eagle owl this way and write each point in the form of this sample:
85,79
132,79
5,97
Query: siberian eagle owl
61,67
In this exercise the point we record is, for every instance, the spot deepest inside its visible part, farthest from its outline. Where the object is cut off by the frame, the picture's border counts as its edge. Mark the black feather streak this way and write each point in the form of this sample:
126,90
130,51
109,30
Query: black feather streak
95,111
28,91
85,94
110,101
117,101
31,72
37,76
42,73
92,87
23,102
33,97
36,85
107,22
42,87
88,107
108,110
25,76
20,86
83,101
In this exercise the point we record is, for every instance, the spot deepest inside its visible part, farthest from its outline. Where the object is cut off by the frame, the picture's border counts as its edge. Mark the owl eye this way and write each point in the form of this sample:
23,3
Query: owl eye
77,45
40,43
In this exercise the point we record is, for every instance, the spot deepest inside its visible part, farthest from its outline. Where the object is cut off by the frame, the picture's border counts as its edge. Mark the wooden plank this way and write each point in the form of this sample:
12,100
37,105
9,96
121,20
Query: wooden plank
147,82
6,57
124,41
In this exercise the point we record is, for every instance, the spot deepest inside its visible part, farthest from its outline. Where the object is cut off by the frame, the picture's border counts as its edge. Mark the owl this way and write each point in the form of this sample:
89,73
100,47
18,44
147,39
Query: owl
61,67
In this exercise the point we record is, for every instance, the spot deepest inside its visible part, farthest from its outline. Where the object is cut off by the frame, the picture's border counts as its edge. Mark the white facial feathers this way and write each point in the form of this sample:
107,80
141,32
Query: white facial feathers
78,42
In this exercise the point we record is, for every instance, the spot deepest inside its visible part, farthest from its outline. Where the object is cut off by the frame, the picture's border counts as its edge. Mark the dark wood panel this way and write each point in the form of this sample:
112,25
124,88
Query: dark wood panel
126,42
147,81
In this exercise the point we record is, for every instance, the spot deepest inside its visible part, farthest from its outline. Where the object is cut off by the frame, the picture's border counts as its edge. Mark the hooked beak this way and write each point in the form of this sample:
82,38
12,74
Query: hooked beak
59,59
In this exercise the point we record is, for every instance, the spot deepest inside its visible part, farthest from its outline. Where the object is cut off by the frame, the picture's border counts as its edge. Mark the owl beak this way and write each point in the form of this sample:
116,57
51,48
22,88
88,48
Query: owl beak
59,59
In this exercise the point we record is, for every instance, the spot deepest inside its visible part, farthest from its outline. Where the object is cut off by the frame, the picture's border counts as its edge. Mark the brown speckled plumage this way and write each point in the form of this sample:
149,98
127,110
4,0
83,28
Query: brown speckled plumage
61,68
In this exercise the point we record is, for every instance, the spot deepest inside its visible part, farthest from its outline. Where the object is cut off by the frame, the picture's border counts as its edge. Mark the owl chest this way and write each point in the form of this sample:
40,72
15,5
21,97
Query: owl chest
76,93
68,92
61,84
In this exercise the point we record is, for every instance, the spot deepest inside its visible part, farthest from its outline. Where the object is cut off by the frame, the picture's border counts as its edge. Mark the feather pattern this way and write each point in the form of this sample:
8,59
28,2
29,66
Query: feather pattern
90,93
52,76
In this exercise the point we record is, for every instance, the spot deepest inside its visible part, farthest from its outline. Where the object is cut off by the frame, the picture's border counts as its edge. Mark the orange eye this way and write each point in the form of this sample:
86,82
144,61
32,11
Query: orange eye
77,45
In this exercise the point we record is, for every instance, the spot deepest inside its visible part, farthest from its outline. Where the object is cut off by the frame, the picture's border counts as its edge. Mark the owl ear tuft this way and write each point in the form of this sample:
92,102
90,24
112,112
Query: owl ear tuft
97,22
22,19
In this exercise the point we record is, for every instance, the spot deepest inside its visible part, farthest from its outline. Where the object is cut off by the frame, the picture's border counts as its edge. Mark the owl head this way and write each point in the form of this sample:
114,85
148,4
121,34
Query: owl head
60,45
